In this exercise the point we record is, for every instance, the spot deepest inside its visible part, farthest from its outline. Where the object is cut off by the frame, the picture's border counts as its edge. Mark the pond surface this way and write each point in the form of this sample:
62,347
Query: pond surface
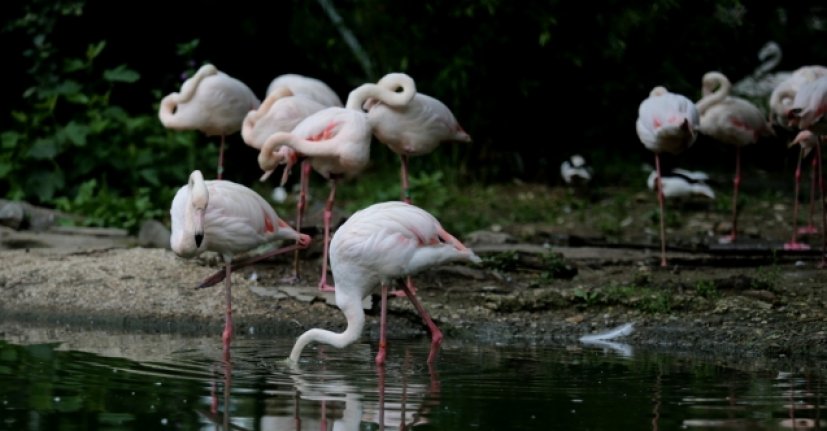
95,380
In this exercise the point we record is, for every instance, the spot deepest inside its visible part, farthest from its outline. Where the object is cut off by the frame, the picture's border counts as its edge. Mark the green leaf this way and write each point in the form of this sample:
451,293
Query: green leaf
20,116
95,49
73,65
67,87
76,133
43,148
44,184
78,98
121,74
9,139
5,168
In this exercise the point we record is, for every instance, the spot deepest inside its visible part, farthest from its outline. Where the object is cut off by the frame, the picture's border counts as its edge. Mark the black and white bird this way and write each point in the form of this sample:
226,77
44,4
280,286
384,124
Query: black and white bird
680,183
575,171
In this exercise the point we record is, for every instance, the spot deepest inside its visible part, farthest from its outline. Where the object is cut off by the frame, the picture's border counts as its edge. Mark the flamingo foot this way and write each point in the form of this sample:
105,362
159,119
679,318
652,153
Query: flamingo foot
807,230
324,287
727,239
400,293
293,279
795,245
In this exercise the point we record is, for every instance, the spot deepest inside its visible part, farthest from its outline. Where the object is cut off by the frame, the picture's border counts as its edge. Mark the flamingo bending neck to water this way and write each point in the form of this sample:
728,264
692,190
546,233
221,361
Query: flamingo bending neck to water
384,241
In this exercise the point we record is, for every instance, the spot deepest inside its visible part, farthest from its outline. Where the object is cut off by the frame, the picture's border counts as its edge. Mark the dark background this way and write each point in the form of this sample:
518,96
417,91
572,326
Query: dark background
531,81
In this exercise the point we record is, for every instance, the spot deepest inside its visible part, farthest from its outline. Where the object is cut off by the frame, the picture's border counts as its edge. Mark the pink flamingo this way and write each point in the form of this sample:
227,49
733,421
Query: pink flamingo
807,140
808,113
307,87
733,121
381,242
226,218
412,126
667,122
281,111
335,142
211,102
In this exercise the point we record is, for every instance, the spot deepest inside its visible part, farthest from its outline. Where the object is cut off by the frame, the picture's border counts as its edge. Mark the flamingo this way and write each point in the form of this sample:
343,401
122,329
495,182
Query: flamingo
761,82
335,142
211,102
731,120
783,94
305,86
227,218
408,122
807,140
281,111
376,244
667,122
808,113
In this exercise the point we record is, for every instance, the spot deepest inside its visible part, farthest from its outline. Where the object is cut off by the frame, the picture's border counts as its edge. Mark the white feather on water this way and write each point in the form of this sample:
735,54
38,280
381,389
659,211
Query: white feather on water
620,331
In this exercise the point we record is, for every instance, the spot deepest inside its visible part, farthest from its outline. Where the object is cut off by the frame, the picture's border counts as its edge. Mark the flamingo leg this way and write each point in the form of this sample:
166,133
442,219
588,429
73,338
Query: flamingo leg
406,189
736,182
436,334
660,203
811,227
328,216
823,211
222,274
301,204
221,159
227,336
794,244
383,323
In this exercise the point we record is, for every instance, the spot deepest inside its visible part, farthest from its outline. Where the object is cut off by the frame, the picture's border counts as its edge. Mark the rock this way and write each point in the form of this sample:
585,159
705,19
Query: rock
11,214
153,234
488,237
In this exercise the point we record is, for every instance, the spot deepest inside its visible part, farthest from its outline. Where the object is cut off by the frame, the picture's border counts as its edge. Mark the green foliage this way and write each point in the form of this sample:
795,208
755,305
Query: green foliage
706,289
71,146
506,261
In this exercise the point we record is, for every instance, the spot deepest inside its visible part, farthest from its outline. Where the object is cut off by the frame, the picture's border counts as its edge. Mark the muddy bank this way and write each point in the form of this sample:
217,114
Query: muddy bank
770,307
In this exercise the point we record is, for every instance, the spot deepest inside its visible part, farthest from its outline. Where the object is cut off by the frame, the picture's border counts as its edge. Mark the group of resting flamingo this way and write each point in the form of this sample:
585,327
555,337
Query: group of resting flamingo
670,123
302,120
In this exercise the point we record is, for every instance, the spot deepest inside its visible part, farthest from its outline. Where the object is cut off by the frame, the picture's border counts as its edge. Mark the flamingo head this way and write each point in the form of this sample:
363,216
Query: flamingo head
199,199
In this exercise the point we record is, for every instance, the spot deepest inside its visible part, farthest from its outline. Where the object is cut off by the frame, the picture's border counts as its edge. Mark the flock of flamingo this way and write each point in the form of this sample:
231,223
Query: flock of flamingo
302,120
670,123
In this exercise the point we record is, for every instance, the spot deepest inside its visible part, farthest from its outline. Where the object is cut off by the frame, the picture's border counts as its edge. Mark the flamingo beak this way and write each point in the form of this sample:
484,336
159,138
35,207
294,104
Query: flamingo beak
199,227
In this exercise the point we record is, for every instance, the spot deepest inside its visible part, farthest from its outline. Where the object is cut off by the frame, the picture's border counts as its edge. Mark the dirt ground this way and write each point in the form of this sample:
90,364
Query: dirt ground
540,283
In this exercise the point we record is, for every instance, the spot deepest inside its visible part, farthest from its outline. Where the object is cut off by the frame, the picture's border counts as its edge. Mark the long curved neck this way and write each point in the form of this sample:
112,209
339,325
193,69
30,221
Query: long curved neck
394,89
355,322
721,90
254,116
268,156
190,85
771,56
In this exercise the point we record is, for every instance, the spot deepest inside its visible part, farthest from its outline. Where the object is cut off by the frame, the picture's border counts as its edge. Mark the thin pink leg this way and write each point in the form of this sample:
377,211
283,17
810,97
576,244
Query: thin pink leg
383,323
436,334
380,371
221,159
811,226
406,189
227,336
736,182
794,244
328,216
304,181
660,203
823,210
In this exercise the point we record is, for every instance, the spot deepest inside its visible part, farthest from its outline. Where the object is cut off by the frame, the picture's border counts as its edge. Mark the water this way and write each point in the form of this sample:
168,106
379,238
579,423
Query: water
54,380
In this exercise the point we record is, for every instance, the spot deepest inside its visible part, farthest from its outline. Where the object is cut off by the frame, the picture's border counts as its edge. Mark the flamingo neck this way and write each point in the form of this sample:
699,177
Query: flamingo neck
190,85
721,86
394,89
355,322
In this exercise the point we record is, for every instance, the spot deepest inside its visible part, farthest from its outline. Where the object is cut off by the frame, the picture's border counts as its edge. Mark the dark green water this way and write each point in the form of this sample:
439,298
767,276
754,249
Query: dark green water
99,381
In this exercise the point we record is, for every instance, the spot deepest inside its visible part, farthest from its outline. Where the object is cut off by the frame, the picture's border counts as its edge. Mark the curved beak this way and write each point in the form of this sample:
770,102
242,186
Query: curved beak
199,227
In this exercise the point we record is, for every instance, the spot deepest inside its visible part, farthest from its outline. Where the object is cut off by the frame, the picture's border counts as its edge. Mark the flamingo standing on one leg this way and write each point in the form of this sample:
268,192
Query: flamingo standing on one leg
210,101
281,111
336,143
227,218
384,241
667,122
809,112
733,121
807,140
413,128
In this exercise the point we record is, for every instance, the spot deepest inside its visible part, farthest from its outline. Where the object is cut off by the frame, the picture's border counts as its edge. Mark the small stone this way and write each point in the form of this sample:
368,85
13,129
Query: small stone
11,215
153,234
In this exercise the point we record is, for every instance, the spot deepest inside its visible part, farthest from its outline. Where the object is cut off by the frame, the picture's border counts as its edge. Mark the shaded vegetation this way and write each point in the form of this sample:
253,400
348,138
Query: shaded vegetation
80,125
